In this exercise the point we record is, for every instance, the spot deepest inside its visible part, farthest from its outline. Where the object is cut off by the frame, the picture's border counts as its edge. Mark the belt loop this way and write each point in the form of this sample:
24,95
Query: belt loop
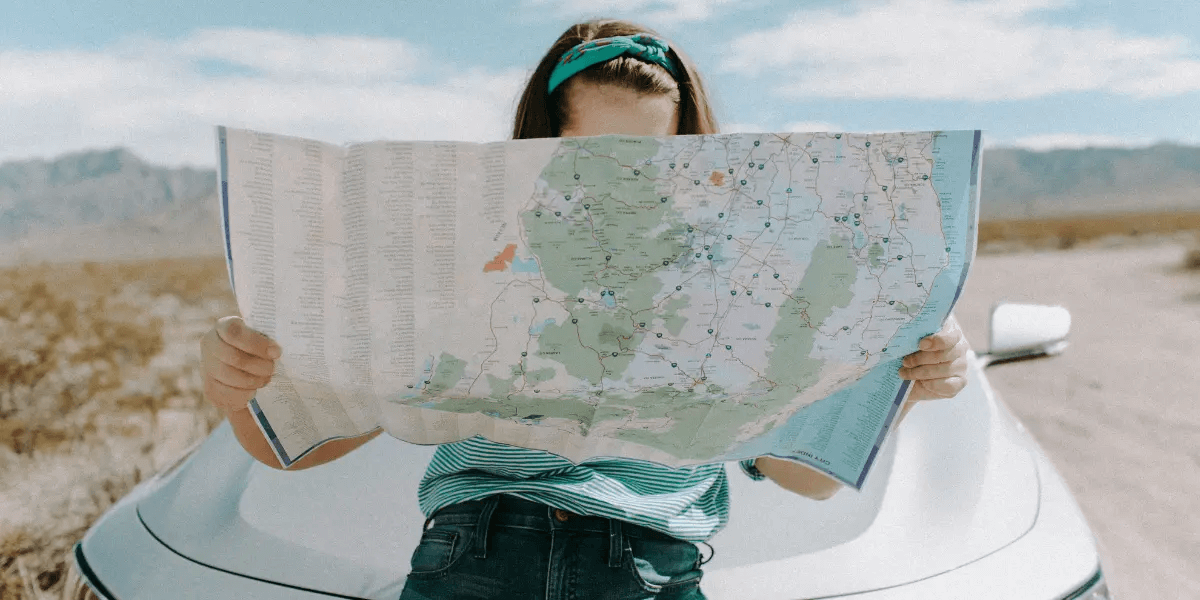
481,528
616,544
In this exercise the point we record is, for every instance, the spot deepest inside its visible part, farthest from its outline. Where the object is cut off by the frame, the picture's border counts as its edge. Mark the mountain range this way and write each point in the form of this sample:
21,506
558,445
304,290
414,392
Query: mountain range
104,205
1021,184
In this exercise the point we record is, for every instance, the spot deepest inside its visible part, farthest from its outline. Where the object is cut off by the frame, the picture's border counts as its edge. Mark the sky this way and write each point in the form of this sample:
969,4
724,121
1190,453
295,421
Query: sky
156,76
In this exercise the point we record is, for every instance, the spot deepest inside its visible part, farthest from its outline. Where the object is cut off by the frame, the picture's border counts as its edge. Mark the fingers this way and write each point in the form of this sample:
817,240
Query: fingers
233,331
932,357
225,397
232,374
956,367
939,388
949,335
939,369
237,379
242,360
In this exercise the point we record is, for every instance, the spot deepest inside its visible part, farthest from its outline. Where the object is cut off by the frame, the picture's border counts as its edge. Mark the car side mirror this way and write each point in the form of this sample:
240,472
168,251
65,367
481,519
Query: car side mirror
1024,331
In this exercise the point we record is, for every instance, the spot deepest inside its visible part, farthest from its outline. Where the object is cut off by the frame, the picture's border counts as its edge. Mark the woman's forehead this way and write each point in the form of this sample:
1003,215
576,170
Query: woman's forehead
599,109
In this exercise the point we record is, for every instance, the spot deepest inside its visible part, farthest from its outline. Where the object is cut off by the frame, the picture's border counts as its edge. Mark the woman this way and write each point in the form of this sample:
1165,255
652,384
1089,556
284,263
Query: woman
507,522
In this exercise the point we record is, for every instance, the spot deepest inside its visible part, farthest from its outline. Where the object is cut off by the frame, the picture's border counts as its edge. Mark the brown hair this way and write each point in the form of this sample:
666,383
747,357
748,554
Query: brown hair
541,115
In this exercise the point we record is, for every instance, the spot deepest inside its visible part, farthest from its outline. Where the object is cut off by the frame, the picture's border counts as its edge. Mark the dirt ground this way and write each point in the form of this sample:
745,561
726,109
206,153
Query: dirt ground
1119,412
102,387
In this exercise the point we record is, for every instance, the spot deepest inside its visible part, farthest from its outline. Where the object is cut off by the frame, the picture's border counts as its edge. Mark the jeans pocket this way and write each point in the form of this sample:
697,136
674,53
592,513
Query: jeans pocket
440,548
663,566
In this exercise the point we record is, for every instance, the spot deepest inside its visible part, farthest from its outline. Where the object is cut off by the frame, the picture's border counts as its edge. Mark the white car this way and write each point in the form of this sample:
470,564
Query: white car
962,503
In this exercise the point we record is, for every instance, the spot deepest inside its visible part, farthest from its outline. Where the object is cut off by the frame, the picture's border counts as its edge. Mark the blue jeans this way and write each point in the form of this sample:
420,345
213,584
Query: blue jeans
506,547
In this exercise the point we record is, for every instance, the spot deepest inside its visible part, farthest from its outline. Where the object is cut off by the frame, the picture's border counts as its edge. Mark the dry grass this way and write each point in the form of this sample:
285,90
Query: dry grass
1067,232
99,387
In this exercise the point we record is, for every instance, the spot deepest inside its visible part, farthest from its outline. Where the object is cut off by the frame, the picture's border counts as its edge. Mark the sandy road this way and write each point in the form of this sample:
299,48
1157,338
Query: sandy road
1119,412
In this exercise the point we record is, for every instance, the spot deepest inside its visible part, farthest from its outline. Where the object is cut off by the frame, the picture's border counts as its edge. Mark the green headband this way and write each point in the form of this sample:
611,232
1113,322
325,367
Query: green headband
594,52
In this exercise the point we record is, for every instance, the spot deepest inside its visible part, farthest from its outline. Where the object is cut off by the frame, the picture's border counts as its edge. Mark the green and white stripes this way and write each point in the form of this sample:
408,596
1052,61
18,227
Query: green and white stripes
690,503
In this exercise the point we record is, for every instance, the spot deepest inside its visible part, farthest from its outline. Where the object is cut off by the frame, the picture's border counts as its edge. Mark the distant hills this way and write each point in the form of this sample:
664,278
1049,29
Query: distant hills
111,204
1021,184
105,205
112,186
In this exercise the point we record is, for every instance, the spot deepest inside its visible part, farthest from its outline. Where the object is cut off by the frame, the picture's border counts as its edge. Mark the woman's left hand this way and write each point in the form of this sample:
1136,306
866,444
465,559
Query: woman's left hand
939,368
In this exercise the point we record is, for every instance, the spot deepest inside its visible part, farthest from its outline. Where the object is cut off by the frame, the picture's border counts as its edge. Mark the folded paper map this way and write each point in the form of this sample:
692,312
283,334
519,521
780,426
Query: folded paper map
683,299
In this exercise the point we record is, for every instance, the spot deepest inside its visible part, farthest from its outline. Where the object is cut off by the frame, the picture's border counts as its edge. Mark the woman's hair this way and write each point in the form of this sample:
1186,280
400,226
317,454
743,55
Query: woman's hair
541,115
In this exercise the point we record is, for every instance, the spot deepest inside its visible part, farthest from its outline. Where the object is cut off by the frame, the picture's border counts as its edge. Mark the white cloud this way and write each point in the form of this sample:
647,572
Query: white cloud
948,49
806,126
162,99
285,55
744,128
1073,141
788,127
665,12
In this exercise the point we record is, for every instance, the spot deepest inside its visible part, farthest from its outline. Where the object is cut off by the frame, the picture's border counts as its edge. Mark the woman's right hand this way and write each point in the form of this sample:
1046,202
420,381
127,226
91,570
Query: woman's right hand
236,361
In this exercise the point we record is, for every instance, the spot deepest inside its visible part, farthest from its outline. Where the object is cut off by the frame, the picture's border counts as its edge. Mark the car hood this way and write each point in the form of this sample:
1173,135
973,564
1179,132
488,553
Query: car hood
956,482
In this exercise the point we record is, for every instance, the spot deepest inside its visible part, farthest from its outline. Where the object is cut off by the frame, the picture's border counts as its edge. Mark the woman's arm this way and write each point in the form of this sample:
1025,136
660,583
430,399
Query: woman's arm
252,440
802,479
236,362
798,478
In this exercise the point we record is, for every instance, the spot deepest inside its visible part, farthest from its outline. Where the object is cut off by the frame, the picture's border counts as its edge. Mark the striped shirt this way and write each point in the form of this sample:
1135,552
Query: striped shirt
690,503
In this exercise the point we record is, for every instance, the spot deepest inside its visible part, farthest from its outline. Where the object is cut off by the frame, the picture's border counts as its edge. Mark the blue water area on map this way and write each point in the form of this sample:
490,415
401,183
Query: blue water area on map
610,301
524,266
537,328
718,254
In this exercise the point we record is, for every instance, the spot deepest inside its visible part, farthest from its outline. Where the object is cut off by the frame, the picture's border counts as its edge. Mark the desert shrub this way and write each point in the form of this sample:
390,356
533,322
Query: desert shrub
1191,258
95,357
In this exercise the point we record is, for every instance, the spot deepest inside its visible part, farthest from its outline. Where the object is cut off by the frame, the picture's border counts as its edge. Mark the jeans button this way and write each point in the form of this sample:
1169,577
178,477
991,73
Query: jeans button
561,515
